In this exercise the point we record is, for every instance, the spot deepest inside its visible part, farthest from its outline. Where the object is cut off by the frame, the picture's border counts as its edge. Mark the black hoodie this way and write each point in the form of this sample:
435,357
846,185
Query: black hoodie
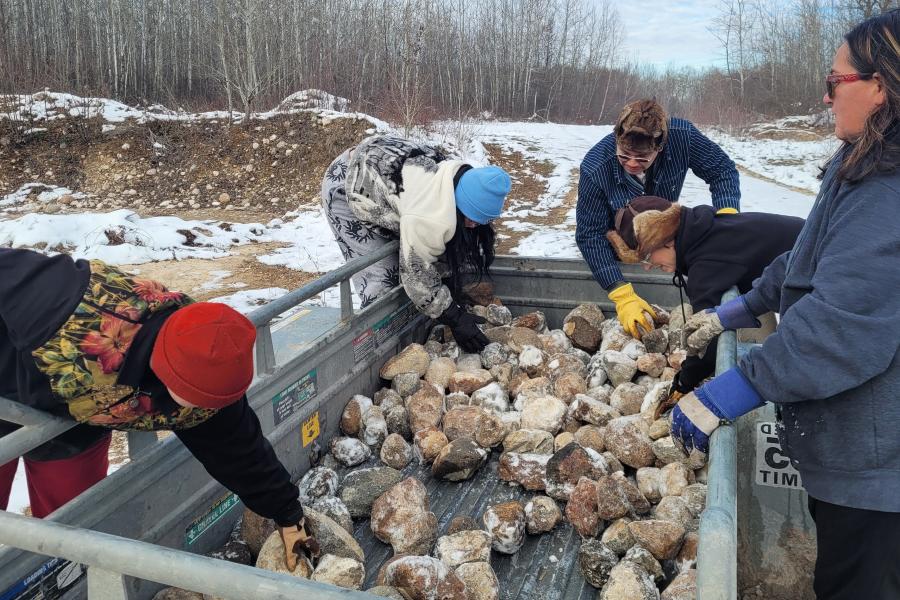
38,294
715,252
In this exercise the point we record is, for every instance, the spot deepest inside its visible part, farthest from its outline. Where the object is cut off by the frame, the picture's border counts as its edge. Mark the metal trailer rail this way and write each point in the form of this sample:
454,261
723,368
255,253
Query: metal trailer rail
109,557
516,279
717,550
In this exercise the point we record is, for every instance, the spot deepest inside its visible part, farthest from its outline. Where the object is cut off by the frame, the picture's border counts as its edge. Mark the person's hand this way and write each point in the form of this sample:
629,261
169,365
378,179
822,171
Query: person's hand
630,309
718,402
692,422
464,326
701,328
297,542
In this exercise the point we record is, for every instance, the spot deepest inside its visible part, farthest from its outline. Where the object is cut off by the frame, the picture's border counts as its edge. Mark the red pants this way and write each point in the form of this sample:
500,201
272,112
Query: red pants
52,483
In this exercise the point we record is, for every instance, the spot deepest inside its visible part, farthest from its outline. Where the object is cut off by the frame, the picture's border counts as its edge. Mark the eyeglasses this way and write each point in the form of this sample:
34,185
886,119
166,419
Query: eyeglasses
639,160
832,80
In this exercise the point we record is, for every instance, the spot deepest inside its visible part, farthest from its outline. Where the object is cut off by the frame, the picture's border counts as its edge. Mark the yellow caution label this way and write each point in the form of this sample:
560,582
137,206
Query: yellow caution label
310,429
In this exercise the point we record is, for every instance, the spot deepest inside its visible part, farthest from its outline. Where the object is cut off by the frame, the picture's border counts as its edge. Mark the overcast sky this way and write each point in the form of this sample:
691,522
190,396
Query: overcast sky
673,32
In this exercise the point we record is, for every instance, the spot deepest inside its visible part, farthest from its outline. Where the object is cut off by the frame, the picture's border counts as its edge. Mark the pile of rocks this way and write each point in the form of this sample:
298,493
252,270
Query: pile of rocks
571,413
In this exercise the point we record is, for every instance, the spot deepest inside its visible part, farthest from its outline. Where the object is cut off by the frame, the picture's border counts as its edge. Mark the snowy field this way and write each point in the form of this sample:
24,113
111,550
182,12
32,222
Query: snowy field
787,187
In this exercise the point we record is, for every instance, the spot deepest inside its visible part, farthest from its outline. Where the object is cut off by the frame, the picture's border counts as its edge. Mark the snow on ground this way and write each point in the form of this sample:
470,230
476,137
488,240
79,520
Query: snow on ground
789,162
124,237
49,193
48,106
566,145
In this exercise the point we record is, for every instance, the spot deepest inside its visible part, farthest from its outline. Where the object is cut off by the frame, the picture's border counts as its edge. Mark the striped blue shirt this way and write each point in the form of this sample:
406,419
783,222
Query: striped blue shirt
604,187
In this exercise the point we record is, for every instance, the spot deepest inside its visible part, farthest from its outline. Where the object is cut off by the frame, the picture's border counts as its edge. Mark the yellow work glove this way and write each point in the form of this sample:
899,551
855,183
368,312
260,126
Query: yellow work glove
631,308
727,211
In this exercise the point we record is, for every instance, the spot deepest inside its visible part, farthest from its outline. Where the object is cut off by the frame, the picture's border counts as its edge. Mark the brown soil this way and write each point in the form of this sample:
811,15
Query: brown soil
527,191
189,165
195,276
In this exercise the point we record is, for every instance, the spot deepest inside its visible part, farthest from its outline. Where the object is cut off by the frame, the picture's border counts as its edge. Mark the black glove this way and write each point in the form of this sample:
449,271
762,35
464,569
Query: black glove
465,330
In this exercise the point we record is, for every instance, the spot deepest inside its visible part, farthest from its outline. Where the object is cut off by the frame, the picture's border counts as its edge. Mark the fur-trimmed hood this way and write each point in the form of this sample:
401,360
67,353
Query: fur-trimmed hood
642,226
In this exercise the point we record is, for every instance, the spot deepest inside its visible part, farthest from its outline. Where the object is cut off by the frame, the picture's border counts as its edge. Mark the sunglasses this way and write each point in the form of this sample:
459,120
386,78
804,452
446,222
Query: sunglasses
831,81
640,161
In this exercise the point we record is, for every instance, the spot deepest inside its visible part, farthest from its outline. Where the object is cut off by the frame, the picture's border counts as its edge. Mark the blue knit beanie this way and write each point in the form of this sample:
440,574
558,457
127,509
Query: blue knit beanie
481,192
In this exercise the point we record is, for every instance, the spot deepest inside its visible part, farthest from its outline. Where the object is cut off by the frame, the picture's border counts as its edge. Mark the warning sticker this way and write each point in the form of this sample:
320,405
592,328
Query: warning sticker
393,323
310,429
366,342
287,401
773,468
363,345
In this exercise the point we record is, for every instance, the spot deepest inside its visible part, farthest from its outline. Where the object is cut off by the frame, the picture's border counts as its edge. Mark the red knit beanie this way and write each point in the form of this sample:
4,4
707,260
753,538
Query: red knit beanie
204,354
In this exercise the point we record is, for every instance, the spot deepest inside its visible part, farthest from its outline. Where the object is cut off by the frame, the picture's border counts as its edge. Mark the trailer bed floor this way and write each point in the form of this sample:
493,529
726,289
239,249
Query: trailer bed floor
545,567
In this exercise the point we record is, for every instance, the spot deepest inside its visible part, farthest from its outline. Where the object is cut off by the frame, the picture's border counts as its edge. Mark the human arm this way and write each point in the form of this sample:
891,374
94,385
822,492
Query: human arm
711,164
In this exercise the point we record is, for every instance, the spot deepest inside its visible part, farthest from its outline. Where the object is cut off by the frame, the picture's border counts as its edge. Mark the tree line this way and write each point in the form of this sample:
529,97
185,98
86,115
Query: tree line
413,60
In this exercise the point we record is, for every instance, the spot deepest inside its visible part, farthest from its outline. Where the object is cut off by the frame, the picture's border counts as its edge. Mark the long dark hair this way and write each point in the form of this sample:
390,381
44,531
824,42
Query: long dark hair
874,47
469,253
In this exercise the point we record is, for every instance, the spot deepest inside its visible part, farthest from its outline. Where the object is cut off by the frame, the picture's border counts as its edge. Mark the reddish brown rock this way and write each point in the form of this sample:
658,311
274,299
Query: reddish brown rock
506,524
627,438
581,509
519,337
535,321
463,547
467,383
491,430
683,587
526,441
543,412
428,444
583,325
528,470
439,371
570,464
542,514
425,408
687,555
652,364
568,385
351,418
396,452
591,436
590,410
662,538
461,421
612,503
400,517
462,523
564,362
627,398
424,578
412,359
458,460
480,579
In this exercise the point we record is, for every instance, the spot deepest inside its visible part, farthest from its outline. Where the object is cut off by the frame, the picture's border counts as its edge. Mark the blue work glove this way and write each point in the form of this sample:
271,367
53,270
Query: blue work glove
704,326
718,402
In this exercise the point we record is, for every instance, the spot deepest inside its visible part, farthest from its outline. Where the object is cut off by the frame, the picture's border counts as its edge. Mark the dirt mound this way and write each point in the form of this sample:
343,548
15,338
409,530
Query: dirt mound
172,167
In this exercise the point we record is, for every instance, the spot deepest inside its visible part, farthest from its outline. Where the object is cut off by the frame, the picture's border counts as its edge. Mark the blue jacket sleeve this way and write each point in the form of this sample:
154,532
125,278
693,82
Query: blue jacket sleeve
846,329
593,218
711,164
766,293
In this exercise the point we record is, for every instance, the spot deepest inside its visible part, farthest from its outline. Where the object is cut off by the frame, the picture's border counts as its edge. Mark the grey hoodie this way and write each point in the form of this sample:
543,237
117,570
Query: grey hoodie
832,367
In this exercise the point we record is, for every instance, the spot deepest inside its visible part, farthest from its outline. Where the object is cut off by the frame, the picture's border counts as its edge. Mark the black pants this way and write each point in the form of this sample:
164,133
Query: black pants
859,553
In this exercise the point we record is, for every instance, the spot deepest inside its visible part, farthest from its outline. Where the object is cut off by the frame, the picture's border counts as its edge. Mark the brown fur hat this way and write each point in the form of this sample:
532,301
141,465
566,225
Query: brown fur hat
642,126
642,226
